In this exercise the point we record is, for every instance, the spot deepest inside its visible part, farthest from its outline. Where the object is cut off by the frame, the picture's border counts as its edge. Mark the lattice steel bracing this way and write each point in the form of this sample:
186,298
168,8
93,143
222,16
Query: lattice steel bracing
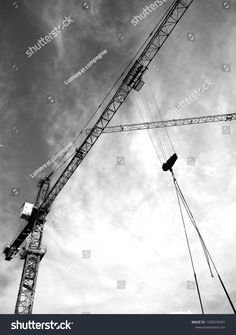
32,253
170,123
155,41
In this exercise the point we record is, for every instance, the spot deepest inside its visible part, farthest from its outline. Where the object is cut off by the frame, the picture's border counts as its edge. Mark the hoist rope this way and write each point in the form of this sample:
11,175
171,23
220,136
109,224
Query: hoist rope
153,144
195,225
159,111
205,249
188,244
155,130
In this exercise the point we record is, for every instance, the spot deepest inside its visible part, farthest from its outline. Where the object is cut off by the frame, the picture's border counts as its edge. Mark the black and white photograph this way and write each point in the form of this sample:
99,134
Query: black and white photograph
118,167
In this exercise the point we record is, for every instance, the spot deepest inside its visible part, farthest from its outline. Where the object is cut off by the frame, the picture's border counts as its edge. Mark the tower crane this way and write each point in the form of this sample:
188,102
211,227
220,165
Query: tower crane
169,123
35,214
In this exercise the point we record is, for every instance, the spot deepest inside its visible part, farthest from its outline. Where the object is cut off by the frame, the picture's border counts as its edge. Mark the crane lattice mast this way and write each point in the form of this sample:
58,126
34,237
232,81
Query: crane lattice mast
32,254
132,79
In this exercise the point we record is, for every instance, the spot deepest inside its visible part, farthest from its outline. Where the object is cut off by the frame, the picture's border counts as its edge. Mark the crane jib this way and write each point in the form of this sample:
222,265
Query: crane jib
133,80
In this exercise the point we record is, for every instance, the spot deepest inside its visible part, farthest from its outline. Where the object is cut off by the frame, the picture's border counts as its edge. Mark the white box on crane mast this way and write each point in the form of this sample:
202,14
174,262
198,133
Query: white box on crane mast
26,211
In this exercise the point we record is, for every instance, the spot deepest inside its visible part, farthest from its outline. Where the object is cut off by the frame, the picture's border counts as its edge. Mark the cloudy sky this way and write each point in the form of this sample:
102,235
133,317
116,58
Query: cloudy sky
125,217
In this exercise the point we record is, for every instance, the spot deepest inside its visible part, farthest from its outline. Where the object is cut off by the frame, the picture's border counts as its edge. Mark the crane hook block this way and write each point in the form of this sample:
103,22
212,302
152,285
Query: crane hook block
170,163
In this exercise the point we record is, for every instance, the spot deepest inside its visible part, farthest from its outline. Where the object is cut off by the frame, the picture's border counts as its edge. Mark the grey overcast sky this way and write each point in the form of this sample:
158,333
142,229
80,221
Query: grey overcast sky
126,215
